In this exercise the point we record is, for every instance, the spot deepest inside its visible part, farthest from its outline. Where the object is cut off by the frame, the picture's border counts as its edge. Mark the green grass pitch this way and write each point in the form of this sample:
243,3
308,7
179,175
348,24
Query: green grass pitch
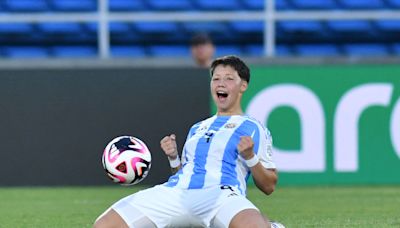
359,206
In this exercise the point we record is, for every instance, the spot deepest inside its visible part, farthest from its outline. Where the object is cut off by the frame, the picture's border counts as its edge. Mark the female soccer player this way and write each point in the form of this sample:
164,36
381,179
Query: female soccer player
208,188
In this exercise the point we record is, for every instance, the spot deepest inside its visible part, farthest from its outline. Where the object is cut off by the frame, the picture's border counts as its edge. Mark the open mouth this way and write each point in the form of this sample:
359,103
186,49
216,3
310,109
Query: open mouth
222,95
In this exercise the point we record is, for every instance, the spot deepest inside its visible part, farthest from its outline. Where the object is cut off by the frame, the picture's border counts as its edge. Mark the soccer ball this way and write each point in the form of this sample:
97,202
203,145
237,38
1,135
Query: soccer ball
126,160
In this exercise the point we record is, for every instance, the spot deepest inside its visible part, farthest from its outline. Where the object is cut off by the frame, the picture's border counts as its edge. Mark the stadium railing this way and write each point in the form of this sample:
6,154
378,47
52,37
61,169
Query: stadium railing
270,16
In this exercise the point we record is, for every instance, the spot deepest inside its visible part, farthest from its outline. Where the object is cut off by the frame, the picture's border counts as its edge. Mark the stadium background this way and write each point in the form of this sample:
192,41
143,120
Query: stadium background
75,74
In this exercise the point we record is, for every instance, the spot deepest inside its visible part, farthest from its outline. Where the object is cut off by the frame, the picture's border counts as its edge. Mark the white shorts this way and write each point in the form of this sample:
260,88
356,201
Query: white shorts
175,207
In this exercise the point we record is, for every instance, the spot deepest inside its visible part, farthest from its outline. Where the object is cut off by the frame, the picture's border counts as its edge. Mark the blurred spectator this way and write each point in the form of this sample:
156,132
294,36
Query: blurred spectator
202,49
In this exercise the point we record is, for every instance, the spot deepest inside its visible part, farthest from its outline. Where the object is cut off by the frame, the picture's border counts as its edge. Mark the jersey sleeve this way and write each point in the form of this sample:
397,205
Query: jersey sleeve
265,149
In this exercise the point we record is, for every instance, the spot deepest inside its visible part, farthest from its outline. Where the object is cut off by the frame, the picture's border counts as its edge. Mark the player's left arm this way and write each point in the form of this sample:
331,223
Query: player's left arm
264,178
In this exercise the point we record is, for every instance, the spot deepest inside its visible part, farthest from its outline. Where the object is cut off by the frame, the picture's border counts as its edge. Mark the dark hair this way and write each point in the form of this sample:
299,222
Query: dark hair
200,38
236,63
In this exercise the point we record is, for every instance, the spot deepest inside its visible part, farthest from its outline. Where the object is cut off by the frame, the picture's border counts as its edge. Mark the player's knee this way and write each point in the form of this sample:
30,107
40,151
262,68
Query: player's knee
103,222
109,219
249,224
106,223
99,223
249,218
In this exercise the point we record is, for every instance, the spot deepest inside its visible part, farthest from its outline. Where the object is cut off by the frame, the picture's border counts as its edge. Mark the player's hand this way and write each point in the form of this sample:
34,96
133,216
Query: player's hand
246,147
168,145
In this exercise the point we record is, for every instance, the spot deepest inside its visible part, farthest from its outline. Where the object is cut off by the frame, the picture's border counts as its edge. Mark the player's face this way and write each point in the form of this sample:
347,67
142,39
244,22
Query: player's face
203,53
226,89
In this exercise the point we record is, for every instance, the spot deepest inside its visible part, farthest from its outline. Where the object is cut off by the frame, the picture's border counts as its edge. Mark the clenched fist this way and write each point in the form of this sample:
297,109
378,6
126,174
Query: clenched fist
168,145
245,147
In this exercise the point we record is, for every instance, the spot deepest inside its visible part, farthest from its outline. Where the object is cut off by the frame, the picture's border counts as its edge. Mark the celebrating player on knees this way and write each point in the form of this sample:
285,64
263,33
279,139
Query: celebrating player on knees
209,181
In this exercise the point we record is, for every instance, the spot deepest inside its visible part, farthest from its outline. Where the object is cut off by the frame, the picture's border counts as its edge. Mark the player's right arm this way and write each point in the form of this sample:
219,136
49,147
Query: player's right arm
168,145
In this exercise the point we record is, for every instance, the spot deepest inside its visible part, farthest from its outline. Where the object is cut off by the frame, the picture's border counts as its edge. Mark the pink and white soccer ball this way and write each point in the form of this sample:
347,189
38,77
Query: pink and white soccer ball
126,160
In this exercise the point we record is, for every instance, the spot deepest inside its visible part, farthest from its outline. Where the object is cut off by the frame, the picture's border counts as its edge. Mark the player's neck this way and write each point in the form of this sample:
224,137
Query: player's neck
230,113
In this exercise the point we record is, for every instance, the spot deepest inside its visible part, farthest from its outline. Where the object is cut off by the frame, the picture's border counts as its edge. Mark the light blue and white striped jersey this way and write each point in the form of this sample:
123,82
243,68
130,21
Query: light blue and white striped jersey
210,156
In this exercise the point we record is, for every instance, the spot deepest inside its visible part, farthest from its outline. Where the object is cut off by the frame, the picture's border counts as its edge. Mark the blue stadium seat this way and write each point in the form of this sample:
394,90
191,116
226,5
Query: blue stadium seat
396,49
373,50
73,51
314,4
253,50
245,32
91,27
121,28
25,5
389,26
120,32
282,5
253,4
24,52
169,51
159,32
64,33
156,27
219,31
248,26
209,27
362,4
222,50
15,29
300,31
60,28
257,50
283,50
128,38
170,5
19,33
124,32
123,51
316,50
127,5
350,27
393,4
74,5
301,26
209,5
259,4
